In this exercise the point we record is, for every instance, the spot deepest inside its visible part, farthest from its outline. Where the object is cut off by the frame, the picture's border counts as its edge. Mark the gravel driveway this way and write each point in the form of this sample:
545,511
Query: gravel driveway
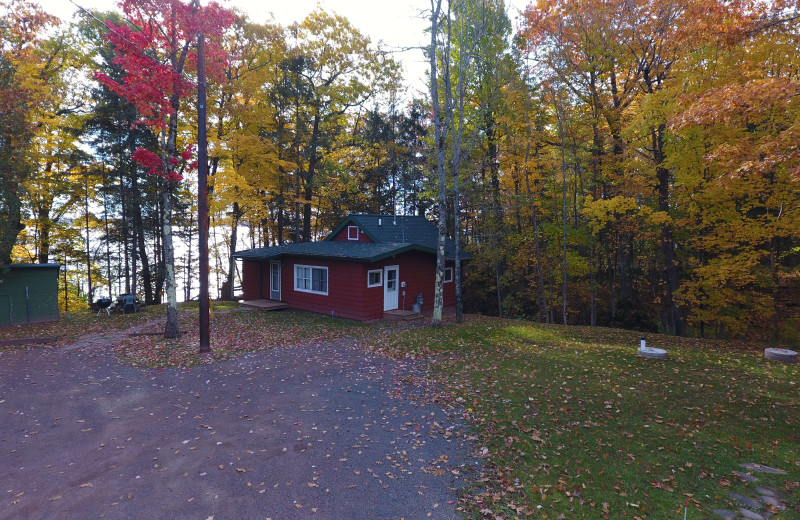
304,432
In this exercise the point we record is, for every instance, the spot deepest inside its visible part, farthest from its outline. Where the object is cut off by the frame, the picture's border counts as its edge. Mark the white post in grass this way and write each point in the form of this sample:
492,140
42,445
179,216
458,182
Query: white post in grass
650,352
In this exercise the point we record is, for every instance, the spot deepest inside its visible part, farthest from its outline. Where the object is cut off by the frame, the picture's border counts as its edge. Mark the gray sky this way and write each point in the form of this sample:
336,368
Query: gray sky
399,24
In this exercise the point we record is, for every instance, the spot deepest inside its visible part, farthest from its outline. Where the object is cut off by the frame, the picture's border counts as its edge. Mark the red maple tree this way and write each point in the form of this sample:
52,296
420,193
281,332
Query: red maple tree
157,54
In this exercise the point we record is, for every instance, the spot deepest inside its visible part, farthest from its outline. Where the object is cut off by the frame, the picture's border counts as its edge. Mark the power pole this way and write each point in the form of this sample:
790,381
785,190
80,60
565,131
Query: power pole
202,195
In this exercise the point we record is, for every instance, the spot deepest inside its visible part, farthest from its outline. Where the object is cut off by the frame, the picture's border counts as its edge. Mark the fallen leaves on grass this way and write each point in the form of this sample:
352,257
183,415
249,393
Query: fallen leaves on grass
232,334
570,422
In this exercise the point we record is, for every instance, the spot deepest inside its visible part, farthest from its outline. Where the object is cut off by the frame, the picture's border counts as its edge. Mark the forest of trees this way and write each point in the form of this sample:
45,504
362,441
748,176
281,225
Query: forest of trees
630,163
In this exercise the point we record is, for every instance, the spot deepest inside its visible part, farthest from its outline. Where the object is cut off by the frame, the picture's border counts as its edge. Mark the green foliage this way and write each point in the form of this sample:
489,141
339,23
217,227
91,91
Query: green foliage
24,69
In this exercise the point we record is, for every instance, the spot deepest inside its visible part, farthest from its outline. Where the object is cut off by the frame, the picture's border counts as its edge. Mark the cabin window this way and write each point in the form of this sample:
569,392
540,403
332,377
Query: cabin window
311,279
374,278
448,275
352,232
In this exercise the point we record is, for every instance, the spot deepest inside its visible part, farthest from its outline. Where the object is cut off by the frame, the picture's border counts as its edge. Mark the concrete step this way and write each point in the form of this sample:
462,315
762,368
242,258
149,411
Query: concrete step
401,315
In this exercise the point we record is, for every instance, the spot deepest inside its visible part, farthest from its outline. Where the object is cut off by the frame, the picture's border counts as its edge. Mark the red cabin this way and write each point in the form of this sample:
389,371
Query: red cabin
368,265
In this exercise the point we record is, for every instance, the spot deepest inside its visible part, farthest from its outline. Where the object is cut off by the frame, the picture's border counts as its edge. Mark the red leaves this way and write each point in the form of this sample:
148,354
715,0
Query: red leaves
148,84
154,49
147,159
154,164
173,176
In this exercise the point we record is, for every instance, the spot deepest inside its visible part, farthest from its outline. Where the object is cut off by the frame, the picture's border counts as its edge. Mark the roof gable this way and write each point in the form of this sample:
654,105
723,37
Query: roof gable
390,235
396,229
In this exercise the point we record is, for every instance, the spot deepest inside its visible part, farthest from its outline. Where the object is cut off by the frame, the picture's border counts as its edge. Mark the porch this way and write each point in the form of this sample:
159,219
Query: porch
264,305
401,315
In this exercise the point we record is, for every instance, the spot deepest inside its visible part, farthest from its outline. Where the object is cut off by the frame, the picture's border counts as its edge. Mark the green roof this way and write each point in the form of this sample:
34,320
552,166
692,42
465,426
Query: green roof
352,251
388,228
390,235
34,266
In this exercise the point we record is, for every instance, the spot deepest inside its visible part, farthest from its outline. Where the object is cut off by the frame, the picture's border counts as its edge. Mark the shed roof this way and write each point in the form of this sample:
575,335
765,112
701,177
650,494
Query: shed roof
34,266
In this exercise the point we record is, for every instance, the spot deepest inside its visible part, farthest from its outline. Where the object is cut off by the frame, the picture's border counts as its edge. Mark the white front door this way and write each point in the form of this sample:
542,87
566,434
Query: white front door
390,284
275,281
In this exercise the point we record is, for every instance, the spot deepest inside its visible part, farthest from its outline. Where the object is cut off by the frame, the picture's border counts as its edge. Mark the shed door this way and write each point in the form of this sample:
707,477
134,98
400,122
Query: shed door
5,310
390,276
275,280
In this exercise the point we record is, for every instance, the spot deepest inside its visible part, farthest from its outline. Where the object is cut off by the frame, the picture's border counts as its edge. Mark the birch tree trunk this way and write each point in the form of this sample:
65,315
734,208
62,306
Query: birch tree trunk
440,134
171,329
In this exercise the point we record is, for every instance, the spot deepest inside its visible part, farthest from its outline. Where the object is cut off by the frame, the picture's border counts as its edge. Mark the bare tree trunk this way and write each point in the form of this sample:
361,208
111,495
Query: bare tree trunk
125,236
542,296
171,329
560,117
187,279
667,241
169,149
498,291
108,237
88,253
440,134
458,134
231,282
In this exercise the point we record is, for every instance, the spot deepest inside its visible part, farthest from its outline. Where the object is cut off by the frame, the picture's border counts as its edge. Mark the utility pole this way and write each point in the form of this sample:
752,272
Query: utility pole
202,195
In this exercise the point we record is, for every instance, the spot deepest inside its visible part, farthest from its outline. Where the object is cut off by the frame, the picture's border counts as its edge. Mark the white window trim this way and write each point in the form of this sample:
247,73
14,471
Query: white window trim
349,236
380,273
312,267
448,270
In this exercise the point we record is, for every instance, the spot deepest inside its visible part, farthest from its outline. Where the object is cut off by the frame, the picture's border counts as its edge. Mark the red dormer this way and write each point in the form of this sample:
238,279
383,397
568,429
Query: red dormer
351,233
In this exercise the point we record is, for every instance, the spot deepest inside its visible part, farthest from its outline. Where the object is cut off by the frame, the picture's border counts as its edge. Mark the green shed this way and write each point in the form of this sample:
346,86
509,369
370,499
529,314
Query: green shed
28,293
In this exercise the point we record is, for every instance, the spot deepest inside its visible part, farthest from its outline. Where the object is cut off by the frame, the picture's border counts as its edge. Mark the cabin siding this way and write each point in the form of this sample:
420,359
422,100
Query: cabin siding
348,295
251,278
418,271
341,236
347,282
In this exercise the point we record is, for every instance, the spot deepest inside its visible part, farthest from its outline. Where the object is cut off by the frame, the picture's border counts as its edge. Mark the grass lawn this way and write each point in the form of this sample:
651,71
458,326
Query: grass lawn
234,333
72,325
216,305
575,425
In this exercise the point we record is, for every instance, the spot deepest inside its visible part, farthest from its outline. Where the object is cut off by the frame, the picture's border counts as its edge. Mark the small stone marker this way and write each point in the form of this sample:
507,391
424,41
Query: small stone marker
773,501
725,513
746,501
765,491
780,354
745,476
750,515
752,466
652,353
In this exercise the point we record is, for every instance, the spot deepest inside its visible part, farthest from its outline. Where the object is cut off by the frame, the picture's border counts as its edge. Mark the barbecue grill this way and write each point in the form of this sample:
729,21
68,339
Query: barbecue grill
103,304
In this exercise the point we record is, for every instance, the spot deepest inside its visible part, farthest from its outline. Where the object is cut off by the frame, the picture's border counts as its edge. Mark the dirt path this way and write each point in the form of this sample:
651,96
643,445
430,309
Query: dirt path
287,433
103,340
